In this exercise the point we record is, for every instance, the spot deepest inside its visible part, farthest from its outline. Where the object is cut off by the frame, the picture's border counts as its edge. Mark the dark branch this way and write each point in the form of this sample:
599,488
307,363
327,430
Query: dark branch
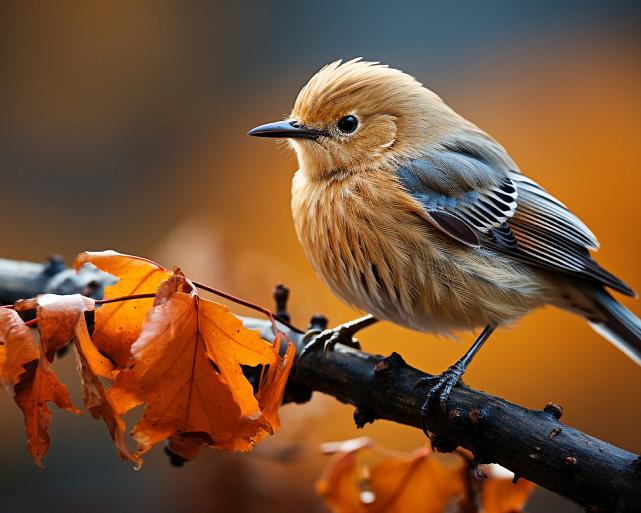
533,444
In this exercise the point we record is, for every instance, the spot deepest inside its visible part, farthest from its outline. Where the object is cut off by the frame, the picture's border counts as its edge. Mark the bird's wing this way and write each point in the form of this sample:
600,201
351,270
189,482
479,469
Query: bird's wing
478,200
461,209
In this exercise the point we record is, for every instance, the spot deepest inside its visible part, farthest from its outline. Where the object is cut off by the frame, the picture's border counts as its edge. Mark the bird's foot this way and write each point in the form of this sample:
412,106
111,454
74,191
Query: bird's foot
327,339
440,387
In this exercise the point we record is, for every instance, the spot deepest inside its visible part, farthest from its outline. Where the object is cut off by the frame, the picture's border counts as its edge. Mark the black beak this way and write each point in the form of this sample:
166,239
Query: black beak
286,129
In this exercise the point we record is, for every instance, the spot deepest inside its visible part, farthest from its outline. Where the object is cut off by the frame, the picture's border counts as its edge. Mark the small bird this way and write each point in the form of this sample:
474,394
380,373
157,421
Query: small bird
415,215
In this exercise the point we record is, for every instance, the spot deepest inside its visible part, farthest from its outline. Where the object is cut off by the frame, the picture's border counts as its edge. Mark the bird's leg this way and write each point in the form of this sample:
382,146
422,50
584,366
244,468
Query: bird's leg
342,334
441,385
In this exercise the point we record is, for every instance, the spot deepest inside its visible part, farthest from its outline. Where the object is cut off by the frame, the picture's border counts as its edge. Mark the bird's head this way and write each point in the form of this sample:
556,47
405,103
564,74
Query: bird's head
360,116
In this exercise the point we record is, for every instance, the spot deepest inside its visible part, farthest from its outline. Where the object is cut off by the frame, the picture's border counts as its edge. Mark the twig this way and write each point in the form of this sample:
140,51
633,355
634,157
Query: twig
247,304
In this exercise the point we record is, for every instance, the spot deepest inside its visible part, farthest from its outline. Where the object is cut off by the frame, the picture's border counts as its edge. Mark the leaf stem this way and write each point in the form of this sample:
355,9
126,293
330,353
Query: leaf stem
150,295
242,302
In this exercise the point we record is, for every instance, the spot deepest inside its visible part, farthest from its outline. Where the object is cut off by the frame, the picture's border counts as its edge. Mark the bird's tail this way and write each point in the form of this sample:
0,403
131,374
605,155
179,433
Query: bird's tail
617,324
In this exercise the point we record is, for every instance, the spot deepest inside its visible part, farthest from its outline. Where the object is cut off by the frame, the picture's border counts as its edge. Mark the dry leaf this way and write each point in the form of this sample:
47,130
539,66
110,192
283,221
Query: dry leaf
57,318
181,355
420,482
270,393
37,386
501,495
61,319
24,369
187,369
17,348
118,325
92,366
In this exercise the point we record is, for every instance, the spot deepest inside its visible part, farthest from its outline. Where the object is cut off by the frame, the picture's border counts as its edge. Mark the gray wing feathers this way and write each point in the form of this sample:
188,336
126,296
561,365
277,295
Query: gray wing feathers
538,207
462,186
477,184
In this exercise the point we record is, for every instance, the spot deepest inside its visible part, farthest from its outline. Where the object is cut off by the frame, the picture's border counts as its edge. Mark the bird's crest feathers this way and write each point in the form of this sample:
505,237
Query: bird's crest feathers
337,82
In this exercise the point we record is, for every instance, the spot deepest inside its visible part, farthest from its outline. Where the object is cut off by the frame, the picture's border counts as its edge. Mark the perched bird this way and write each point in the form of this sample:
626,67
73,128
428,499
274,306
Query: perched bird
415,215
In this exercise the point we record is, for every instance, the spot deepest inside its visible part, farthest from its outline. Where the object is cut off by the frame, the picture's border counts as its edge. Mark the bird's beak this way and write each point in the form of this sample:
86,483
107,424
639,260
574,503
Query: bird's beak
286,129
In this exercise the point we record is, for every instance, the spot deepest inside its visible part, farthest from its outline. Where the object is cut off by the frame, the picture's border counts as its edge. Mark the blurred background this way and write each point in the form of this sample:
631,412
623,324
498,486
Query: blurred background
123,126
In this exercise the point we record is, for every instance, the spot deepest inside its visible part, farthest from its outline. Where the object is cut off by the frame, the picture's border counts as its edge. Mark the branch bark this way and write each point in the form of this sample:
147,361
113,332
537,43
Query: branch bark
533,444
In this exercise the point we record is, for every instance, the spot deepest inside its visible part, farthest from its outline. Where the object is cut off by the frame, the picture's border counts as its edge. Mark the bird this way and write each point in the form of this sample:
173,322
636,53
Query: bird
415,215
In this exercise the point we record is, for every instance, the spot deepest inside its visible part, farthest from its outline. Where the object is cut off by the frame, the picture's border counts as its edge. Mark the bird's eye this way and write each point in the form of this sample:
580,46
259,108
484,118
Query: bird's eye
348,124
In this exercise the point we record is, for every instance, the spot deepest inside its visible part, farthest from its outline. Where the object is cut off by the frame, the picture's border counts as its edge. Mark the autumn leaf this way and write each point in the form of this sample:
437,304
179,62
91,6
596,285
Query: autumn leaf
501,495
181,355
24,369
187,369
57,318
17,348
117,325
38,386
92,366
60,319
270,393
419,482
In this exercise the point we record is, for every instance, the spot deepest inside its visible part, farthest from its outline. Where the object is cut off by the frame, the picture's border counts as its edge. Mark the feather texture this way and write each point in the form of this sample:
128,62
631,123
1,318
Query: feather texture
512,214
419,217
369,241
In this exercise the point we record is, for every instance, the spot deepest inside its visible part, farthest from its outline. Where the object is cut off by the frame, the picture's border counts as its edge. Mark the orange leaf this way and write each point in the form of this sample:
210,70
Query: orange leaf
340,483
92,365
118,325
24,368
36,388
420,482
500,495
187,369
17,348
57,318
270,393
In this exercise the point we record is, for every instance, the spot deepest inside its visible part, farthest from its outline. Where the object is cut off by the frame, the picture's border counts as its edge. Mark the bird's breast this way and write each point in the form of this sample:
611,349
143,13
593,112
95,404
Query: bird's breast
368,242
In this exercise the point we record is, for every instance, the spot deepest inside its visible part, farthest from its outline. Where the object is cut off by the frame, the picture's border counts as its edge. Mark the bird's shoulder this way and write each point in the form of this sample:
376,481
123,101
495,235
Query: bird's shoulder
470,189
464,180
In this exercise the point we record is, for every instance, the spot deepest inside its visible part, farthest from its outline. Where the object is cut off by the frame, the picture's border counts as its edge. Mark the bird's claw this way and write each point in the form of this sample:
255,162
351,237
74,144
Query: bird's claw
328,340
440,387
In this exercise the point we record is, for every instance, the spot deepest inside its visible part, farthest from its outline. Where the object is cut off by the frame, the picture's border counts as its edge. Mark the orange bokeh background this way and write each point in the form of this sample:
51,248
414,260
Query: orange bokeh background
124,127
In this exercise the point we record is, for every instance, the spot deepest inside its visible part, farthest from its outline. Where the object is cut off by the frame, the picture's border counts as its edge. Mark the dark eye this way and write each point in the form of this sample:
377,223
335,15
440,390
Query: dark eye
348,124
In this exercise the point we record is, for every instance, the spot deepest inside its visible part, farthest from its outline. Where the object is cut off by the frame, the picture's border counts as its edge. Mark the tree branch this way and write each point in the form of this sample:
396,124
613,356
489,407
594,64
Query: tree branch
20,280
533,444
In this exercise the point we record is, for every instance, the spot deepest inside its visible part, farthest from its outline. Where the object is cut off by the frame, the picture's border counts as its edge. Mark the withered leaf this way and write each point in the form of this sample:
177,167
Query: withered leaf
187,369
57,318
270,393
17,348
92,366
25,371
500,495
419,482
37,386
118,325
181,355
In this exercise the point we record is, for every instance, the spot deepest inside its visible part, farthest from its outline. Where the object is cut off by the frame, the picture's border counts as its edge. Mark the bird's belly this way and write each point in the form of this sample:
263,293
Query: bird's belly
425,293
388,261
